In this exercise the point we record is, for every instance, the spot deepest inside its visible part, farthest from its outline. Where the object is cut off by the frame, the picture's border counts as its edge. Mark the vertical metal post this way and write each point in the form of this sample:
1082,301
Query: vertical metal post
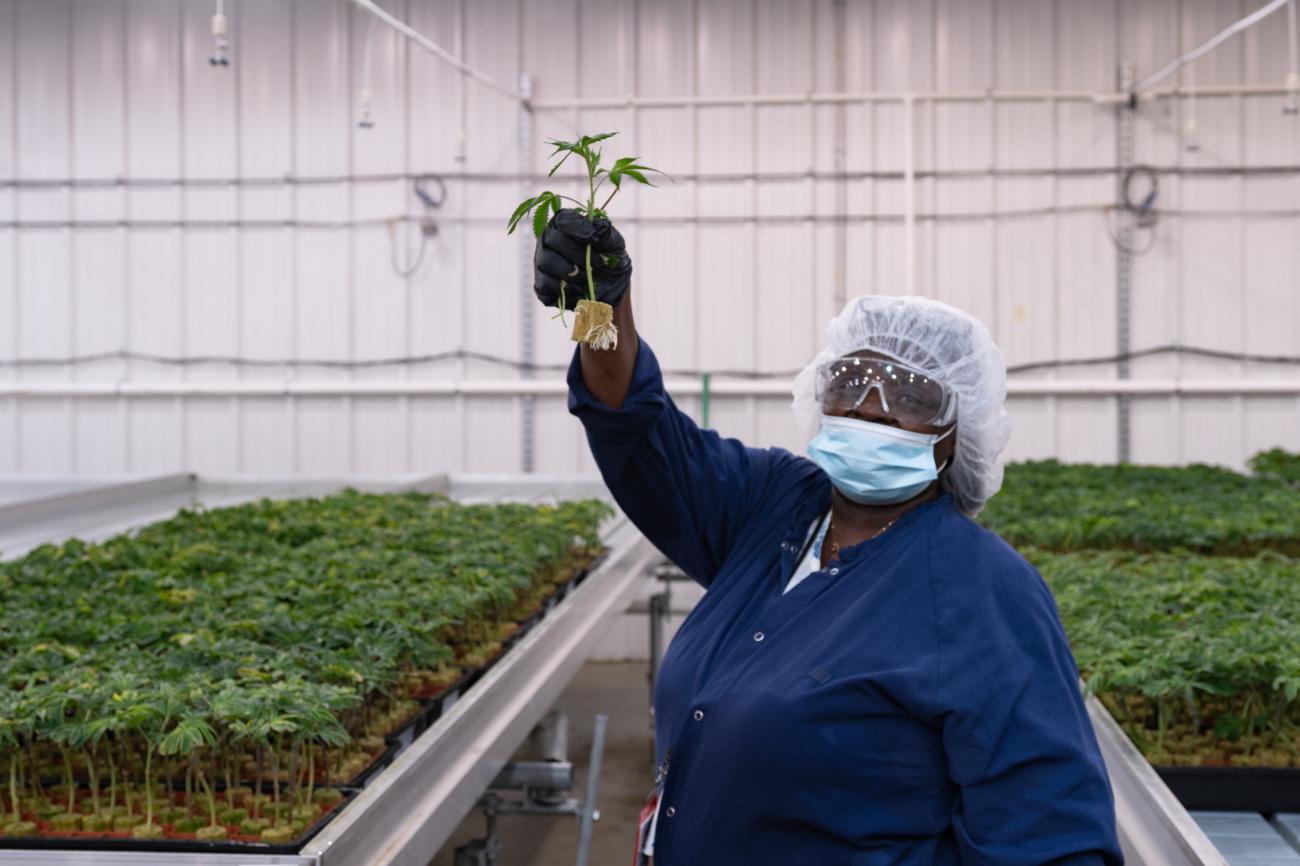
527,302
589,813
1124,258
909,193
839,163
704,399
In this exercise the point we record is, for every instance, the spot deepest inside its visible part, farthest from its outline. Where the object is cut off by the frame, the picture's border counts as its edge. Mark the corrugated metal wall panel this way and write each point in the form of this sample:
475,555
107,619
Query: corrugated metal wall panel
122,88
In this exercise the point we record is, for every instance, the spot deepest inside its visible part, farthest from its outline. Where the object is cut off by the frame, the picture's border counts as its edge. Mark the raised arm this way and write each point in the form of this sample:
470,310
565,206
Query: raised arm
609,373
690,491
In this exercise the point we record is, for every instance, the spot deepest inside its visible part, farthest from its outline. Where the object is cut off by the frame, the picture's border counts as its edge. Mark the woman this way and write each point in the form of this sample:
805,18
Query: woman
871,677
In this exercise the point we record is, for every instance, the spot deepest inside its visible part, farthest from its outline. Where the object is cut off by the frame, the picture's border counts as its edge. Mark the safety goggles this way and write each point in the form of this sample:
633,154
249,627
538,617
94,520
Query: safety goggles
906,394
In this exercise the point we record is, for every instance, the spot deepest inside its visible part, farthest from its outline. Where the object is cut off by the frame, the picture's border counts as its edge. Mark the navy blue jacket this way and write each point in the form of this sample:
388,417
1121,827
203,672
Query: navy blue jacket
915,702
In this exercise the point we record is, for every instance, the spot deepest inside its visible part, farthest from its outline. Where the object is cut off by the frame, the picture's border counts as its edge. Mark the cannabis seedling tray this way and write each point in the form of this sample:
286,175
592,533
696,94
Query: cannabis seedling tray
437,704
122,842
395,742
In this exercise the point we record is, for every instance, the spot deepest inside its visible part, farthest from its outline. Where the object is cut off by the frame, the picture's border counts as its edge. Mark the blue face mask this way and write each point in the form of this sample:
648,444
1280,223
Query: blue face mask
875,464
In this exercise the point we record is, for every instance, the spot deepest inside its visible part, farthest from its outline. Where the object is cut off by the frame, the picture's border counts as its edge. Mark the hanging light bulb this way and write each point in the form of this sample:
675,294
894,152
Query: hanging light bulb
1190,130
1292,104
367,120
220,45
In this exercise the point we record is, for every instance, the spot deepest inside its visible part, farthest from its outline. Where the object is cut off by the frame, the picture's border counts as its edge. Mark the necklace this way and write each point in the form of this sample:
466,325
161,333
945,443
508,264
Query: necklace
835,546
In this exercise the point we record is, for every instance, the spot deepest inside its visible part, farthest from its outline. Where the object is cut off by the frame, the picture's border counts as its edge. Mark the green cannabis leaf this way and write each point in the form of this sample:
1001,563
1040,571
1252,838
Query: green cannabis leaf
546,205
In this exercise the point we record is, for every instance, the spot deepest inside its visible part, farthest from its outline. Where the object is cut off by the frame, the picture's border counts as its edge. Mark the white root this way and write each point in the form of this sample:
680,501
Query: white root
603,337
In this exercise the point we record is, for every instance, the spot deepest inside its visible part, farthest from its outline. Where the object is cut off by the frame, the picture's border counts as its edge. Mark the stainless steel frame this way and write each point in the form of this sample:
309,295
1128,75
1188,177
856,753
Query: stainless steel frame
1154,828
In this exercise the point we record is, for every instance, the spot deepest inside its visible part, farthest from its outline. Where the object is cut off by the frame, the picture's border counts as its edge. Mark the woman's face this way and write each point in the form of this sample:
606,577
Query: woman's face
872,409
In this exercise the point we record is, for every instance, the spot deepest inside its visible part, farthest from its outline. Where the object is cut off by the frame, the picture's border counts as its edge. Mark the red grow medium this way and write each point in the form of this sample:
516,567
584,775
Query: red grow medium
49,840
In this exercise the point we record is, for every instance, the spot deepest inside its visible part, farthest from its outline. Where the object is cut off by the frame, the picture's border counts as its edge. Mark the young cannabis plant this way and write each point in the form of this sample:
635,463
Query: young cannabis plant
593,320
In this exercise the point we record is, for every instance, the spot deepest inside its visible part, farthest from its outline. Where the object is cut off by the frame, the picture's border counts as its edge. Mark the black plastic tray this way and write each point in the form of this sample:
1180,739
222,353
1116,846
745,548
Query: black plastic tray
1234,789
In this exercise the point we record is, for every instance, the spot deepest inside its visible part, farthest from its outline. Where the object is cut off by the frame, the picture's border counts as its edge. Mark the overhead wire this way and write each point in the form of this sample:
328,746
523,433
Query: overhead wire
534,367
658,220
37,183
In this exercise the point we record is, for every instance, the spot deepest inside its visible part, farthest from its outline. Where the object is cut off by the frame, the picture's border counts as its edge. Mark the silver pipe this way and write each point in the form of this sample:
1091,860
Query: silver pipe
1209,45
437,50
744,99
527,301
593,782
1124,264
775,388
554,733
701,177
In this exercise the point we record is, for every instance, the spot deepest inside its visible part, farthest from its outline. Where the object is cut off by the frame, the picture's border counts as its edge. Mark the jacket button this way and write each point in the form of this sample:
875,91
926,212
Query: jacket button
698,715
758,636
670,811
834,571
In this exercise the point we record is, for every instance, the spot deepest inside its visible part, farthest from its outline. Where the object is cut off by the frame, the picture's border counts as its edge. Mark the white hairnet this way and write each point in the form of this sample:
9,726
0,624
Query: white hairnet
947,343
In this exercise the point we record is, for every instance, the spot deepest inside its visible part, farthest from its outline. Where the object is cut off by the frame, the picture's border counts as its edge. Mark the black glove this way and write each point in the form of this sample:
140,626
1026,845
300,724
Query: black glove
562,255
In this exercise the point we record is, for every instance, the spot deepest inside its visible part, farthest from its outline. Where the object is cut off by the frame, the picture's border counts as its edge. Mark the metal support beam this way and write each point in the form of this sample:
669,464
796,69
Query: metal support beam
527,301
555,387
1124,263
1154,828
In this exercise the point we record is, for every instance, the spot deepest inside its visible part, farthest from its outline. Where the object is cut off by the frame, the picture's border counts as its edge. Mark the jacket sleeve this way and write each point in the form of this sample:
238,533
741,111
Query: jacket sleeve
689,491
1016,732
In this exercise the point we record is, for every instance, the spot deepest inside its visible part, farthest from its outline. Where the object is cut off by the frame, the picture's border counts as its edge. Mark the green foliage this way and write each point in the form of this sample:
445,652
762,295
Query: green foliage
268,636
1203,509
547,204
1180,592
1277,465
1197,656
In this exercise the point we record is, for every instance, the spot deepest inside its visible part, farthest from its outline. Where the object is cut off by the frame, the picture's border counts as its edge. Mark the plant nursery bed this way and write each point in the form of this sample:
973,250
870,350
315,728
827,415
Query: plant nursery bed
1235,789
282,647
173,842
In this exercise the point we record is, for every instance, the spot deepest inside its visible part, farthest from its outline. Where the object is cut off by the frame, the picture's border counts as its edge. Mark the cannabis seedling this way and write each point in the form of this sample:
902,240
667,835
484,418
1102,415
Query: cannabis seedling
593,322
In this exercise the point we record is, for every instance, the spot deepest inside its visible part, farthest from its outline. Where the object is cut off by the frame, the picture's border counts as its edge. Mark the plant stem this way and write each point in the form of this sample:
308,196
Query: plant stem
275,778
257,788
94,780
35,777
68,778
126,778
212,802
148,785
189,782
311,773
591,281
13,785
293,778
112,780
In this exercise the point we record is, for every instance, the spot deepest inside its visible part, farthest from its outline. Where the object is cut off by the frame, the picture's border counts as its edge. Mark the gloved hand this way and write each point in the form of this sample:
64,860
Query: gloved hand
562,255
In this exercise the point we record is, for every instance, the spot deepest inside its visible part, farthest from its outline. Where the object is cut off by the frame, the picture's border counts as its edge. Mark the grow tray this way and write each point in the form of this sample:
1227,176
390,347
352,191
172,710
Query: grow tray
436,704
437,763
122,842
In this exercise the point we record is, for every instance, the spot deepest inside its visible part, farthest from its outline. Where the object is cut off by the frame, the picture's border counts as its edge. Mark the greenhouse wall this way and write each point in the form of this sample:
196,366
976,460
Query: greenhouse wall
199,265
